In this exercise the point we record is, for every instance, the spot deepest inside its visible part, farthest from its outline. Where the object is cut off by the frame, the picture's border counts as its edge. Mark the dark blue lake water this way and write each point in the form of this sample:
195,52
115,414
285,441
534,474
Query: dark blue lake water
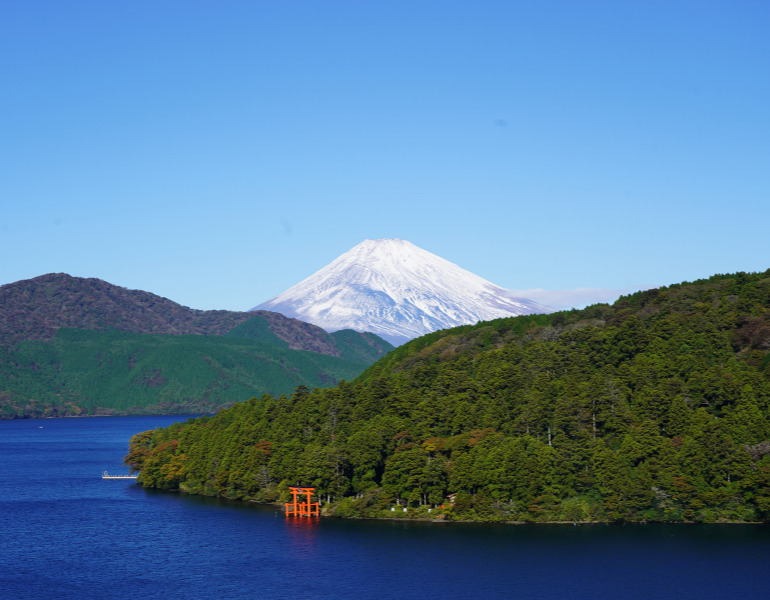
66,533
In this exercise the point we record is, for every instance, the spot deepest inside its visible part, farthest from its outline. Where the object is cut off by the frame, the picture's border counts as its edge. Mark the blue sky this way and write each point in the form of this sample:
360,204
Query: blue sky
218,153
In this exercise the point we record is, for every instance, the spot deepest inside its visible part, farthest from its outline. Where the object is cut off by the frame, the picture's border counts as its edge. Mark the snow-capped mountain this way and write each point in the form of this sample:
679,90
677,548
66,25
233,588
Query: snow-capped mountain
397,291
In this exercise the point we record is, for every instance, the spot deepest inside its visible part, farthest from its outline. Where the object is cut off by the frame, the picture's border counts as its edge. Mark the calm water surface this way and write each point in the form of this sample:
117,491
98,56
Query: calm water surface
66,533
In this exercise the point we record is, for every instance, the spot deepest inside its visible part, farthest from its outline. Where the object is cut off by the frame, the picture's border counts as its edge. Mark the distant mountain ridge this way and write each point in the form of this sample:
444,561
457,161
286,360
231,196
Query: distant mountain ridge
397,291
71,346
35,309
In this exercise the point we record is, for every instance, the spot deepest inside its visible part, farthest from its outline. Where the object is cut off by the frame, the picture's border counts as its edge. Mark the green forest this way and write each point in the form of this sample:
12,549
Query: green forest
84,372
653,409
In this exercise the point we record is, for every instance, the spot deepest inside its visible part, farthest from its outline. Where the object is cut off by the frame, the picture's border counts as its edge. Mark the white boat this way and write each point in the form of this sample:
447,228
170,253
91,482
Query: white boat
106,475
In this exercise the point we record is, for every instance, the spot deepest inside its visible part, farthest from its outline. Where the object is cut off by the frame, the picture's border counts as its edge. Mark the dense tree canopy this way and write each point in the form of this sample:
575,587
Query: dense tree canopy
655,408
119,372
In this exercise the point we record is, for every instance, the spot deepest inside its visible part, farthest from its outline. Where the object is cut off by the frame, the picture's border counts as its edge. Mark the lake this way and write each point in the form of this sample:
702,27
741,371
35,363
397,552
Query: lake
66,533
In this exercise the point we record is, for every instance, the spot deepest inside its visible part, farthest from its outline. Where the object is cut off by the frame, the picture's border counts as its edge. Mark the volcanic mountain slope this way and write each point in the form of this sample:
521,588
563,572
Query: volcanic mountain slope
398,291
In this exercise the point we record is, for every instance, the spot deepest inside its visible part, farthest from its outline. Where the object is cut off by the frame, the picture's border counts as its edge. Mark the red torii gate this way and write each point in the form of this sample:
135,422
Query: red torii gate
302,507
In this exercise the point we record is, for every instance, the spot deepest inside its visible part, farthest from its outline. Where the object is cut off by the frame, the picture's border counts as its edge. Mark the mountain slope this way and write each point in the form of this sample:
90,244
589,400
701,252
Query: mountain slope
35,309
656,408
397,291
72,346
116,372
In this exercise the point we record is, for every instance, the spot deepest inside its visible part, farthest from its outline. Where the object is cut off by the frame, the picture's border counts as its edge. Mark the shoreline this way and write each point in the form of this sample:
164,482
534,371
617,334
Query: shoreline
279,508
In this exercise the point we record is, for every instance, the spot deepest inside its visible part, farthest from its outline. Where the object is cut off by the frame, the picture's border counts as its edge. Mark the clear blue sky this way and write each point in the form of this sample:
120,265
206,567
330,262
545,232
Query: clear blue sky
218,153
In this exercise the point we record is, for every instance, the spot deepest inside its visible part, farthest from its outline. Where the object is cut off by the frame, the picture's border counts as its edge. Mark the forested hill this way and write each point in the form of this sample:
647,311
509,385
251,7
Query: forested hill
35,309
653,409
72,346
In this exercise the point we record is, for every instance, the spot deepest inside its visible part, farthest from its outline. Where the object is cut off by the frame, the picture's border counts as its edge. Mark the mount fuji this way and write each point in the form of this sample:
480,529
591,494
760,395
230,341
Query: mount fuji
398,291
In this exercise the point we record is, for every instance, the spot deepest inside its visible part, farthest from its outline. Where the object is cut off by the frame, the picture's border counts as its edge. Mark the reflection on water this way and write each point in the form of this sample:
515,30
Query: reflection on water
302,534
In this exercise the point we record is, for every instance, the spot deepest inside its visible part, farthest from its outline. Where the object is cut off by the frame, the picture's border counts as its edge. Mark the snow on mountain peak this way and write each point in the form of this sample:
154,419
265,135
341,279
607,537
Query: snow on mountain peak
396,290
